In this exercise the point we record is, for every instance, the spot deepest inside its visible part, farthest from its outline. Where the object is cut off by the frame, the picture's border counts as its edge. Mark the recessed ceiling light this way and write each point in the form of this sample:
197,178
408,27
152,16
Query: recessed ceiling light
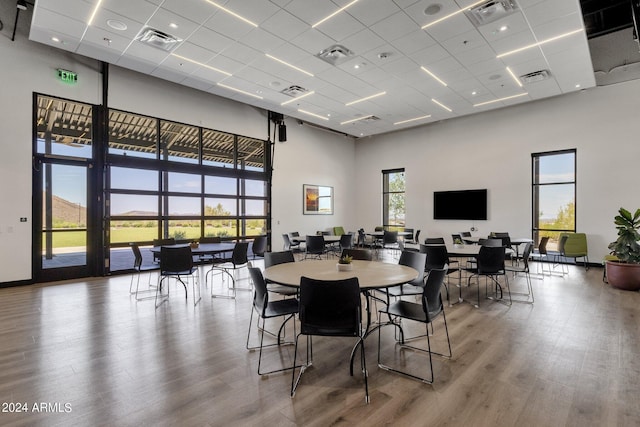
501,99
412,120
578,86
173,25
433,75
333,14
55,39
435,101
201,64
474,93
539,43
238,90
288,65
366,98
116,25
312,114
503,28
232,13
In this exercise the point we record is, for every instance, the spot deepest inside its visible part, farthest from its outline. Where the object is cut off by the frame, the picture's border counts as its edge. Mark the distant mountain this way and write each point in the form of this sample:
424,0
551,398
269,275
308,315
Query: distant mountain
66,211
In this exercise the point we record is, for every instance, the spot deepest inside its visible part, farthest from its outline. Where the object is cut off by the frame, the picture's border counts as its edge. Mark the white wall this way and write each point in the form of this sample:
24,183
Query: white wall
309,156
493,150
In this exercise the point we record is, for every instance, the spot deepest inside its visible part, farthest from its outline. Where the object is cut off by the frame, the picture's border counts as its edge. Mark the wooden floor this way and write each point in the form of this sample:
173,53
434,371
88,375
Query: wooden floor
95,356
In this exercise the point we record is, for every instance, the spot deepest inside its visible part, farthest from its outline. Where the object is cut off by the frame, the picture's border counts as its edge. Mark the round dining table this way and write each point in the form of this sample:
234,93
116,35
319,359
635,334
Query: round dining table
370,274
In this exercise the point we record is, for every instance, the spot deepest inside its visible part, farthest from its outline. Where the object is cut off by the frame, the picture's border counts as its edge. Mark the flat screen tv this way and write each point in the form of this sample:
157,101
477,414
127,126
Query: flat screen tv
464,204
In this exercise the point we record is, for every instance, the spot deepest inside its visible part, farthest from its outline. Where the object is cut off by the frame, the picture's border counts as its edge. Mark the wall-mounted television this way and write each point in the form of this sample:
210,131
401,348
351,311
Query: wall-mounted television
463,204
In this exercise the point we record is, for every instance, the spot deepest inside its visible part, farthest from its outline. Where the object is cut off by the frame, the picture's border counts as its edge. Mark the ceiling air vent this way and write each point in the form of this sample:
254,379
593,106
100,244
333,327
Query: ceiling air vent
294,91
491,11
335,54
536,76
158,39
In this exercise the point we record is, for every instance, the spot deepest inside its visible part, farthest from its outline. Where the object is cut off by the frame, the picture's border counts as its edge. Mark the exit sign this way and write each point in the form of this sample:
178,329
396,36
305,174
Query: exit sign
67,76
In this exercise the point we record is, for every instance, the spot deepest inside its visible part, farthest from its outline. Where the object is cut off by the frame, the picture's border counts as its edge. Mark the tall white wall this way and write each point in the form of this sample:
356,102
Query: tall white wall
493,150
309,156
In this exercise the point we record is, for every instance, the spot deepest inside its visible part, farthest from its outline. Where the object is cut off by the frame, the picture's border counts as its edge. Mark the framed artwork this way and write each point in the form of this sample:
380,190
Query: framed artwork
317,200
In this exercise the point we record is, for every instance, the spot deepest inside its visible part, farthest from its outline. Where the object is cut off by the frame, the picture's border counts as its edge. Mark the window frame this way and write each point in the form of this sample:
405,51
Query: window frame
386,196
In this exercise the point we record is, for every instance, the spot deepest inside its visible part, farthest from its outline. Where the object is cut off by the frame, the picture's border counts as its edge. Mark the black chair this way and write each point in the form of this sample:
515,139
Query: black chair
139,268
275,258
541,254
390,240
229,266
438,259
346,241
408,238
417,261
425,312
314,247
490,264
259,246
330,309
177,262
357,254
290,245
434,241
266,309
525,270
162,242
492,242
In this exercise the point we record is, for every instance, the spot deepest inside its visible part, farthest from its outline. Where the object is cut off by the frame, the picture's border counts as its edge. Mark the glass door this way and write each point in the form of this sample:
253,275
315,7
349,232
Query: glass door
65,235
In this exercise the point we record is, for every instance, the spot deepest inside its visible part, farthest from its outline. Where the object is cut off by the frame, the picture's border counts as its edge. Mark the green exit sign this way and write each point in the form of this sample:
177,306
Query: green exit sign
67,76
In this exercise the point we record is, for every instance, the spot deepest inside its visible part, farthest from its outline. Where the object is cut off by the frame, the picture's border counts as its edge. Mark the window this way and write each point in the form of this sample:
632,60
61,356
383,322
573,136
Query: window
554,195
393,208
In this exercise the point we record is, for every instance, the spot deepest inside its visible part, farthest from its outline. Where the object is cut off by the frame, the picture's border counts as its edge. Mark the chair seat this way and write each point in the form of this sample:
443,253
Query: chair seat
326,329
407,310
179,273
281,307
282,290
405,289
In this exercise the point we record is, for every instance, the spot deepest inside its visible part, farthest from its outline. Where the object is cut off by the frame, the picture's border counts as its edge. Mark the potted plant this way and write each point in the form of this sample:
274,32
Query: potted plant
344,263
624,272
458,243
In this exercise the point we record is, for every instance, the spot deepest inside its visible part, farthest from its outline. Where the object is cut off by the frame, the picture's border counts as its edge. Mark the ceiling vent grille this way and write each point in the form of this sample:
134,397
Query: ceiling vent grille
335,54
294,91
158,39
371,119
491,11
536,76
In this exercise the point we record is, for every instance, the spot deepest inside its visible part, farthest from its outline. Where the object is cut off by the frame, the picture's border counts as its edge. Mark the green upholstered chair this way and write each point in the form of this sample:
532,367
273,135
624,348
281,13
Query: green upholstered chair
575,246
338,231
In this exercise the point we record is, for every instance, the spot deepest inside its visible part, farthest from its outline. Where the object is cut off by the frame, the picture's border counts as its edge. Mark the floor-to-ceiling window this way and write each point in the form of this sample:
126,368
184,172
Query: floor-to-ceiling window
554,194
393,197
167,179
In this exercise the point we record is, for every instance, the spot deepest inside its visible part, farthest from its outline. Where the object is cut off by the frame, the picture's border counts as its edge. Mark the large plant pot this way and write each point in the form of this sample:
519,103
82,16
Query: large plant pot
623,276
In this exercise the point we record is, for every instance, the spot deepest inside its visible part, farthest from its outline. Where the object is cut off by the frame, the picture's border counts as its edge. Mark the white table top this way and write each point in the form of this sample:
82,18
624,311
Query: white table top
370,274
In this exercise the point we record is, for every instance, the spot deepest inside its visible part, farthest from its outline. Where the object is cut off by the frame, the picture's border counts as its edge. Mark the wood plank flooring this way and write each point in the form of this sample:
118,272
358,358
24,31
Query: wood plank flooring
93,355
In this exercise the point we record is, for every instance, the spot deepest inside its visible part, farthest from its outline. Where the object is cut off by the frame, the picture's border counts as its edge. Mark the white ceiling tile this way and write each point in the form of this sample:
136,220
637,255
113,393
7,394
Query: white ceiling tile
313,41
363,41
162,19
194,52
103,16
395,26
241,53
285,25
196,11
340,27
514,22
114,45
452,27
228,27
399,66
255,11
210,39
65,25
146,53
430,55
95,50
374,75
261,40
311,11
547,10
413,42
371,11
472,57
135,63
139,11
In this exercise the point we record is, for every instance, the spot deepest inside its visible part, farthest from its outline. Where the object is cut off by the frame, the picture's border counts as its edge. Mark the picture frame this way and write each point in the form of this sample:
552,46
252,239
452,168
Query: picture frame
317,200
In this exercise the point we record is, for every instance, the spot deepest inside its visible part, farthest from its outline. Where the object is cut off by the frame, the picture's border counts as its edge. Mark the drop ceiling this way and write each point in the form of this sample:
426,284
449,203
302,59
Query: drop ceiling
394,64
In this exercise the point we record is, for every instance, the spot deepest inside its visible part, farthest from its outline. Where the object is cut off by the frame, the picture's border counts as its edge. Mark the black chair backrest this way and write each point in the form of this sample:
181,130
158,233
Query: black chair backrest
315,244
295,234
287,242
389,237
465,234
175,259
260,294
358,254
431,296
526,253
378,228
346,241
490,242
164,242
137,255
410,235
542,246
434,241
330,307
239,254
417,238
259,245
437,256
275,258
490,260
498,234
210,239
417,261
